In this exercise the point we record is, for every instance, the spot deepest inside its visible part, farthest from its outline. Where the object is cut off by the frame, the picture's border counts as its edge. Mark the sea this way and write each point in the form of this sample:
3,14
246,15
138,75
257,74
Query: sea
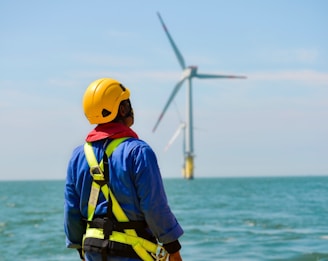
253,218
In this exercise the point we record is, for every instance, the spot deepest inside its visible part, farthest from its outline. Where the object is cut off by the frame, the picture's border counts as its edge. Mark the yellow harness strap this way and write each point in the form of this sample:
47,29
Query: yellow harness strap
96,171
140,245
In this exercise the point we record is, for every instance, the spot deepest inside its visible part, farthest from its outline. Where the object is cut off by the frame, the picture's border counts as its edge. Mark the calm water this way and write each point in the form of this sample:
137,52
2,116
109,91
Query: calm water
224,219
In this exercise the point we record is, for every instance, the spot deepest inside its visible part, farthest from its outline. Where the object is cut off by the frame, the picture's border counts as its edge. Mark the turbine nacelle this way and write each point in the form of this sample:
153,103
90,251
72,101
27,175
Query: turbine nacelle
190,71
193,70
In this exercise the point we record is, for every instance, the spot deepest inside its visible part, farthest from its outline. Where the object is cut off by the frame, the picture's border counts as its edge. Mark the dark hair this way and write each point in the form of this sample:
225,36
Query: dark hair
130,113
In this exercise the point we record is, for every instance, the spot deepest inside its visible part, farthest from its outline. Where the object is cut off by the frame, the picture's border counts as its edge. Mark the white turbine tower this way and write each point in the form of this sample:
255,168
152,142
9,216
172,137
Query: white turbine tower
188,73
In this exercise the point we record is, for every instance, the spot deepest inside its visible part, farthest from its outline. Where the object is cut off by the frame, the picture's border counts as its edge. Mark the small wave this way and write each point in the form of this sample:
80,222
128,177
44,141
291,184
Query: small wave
11,205
250,223
265,224
2,227
310,257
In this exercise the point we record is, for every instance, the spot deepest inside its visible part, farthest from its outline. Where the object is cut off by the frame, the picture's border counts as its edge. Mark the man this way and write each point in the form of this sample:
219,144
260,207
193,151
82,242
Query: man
128,174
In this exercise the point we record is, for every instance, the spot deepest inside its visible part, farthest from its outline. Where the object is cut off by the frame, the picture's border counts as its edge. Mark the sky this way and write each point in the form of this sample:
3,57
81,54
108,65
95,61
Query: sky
274,123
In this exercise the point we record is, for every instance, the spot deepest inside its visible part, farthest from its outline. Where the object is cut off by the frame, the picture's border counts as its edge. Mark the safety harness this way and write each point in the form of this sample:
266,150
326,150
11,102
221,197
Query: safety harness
114,234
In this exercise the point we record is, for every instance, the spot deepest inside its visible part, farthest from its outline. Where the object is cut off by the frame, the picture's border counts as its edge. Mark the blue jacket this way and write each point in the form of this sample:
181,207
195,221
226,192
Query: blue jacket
136,182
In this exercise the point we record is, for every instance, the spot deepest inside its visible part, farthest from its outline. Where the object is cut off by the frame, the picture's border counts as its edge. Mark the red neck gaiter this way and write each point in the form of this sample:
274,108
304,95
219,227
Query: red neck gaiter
112,130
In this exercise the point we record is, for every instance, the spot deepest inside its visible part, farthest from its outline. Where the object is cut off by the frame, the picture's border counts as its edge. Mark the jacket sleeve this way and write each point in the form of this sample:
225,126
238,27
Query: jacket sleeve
74,226
153,199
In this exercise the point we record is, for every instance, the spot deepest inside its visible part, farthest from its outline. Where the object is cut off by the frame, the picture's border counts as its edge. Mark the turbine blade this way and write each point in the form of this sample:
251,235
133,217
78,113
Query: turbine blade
210,76
174,92
175,48
175,135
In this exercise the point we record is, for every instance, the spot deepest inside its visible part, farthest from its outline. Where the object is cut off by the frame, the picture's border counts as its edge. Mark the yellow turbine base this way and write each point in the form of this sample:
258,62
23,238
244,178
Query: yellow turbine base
188,170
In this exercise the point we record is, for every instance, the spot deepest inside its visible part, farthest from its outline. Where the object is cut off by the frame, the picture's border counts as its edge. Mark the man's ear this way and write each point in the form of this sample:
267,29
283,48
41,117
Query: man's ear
121,110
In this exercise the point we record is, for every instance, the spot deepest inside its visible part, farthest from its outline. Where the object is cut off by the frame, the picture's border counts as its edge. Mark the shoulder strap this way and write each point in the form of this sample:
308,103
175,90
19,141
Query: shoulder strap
97,173
91,158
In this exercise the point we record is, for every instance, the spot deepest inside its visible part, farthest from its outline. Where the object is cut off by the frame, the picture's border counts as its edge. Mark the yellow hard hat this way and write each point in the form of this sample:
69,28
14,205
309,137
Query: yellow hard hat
102,99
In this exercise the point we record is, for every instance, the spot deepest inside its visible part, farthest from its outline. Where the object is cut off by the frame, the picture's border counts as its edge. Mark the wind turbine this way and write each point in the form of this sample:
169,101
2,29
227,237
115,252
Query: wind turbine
188,73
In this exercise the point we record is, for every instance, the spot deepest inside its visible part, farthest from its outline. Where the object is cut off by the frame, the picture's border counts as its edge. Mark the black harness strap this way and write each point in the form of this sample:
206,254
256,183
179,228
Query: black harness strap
99,222
108,226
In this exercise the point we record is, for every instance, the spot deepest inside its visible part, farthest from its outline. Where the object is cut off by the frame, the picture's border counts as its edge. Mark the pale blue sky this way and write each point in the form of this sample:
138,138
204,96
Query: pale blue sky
273,123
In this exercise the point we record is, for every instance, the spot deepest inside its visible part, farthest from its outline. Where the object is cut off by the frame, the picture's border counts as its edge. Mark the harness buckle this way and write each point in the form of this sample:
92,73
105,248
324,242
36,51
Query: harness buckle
108,227
161,254
98,175
95,170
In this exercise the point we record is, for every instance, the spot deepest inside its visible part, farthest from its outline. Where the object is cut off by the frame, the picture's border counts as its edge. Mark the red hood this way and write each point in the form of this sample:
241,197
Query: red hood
111,130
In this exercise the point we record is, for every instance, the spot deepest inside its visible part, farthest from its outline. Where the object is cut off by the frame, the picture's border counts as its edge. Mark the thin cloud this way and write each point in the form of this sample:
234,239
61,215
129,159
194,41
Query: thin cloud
302,76
295,56
306,55
301,55
121,34
146,75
